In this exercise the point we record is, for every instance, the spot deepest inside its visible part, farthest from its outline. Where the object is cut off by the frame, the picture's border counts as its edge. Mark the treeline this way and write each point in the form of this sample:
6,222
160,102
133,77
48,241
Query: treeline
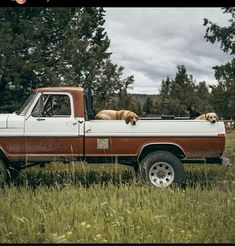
69,47
178,93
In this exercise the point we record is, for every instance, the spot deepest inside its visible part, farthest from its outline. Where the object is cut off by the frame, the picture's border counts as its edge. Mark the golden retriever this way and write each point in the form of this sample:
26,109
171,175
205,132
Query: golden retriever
108,114
211,117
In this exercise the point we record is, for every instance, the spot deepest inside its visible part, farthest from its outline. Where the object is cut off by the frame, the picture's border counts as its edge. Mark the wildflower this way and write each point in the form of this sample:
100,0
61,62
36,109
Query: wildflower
83,223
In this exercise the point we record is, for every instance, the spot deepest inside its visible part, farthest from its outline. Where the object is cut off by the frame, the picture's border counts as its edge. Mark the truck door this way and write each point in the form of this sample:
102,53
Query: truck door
51,130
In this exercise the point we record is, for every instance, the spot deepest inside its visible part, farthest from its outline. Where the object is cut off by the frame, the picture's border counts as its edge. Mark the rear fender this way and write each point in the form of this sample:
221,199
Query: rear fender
170,147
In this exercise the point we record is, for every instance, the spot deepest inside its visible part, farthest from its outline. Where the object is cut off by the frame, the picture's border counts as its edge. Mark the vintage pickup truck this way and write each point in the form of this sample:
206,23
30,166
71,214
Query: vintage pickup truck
56,124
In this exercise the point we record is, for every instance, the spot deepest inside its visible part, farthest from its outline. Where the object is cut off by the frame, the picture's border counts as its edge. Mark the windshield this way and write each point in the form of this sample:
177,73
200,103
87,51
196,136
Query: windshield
24,108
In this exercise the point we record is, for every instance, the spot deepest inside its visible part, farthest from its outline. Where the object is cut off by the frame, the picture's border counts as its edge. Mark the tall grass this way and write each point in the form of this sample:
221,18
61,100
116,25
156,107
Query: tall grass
105,203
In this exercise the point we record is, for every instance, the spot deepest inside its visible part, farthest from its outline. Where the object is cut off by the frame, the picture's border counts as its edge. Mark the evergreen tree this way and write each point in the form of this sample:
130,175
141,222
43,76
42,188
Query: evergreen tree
166,88
178,93
148,107
55,47
220,100
203,97
183,86
164,104
225,74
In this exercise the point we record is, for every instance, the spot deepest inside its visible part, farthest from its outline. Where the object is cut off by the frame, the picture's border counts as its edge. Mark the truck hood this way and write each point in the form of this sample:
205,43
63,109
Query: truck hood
3,120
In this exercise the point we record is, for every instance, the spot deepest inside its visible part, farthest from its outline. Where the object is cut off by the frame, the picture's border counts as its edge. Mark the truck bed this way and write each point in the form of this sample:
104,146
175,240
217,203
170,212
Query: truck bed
196,138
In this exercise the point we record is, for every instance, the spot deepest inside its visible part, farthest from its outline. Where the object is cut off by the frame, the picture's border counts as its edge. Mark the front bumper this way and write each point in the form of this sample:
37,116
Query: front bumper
222,161
225,161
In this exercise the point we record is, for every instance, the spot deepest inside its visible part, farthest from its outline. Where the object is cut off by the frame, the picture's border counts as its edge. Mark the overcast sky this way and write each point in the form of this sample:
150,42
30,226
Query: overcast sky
151,42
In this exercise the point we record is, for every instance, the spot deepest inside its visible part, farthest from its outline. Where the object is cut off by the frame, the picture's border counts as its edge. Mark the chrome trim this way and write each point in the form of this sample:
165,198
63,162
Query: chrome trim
160,143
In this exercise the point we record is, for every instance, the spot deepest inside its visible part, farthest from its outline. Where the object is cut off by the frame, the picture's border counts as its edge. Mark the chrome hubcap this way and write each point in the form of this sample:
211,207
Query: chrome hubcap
161,174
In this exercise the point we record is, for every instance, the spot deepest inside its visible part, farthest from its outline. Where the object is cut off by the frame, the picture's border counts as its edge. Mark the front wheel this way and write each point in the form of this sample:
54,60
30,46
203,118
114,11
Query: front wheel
161,169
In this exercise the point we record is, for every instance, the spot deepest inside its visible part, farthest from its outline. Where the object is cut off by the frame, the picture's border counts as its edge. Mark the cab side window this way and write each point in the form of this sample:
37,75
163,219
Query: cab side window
53,106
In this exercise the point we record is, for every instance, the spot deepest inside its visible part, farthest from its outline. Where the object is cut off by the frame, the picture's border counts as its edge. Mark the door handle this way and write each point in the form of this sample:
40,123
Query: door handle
40,119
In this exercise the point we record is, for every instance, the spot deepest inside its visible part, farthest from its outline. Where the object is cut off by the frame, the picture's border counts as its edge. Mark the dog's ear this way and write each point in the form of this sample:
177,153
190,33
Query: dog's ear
217,117
127,120
207,116
136,116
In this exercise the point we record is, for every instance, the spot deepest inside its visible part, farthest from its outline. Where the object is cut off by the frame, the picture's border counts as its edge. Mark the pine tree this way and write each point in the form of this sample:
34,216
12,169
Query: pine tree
177,94
203,98
56,47
225,74
183,86
166,88
148,106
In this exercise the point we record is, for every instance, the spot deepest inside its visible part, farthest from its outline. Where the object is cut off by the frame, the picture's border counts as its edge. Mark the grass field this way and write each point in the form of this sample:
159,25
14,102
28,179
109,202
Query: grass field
106,204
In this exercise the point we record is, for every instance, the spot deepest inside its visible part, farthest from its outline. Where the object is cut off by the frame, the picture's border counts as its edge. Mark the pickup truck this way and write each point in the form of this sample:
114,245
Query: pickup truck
57,124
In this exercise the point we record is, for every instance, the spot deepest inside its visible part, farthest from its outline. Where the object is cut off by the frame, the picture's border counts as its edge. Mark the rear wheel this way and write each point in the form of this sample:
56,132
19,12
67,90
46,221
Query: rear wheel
161,169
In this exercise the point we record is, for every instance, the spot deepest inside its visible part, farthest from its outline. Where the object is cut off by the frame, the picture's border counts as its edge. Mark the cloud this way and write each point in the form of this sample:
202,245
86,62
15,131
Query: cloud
151,42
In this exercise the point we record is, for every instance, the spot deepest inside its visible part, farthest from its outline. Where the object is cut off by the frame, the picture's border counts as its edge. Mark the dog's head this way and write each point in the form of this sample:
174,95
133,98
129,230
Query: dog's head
131,118
212,117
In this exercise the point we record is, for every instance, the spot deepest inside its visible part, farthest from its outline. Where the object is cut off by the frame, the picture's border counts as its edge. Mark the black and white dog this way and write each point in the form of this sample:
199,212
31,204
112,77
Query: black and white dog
193,113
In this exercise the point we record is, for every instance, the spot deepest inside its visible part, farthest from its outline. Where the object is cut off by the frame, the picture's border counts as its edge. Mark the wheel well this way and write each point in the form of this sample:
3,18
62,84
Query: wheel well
172,148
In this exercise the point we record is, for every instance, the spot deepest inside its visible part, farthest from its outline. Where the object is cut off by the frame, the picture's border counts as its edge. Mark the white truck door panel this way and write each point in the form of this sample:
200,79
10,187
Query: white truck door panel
51,126
52,129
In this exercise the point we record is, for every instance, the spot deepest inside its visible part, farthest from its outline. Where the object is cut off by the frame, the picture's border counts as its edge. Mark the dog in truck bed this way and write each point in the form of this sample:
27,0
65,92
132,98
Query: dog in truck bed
192,112
108,114
211,117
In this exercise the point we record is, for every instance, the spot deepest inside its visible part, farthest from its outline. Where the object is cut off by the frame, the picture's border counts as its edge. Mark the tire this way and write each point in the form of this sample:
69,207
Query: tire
161,169
3,173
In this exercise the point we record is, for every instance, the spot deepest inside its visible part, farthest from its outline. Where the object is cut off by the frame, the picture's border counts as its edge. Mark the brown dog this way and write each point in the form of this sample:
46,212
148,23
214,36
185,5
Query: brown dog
126,115
212,117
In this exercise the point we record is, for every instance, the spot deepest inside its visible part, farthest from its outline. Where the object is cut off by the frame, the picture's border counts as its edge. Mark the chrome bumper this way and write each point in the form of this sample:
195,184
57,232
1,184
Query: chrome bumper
225,161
